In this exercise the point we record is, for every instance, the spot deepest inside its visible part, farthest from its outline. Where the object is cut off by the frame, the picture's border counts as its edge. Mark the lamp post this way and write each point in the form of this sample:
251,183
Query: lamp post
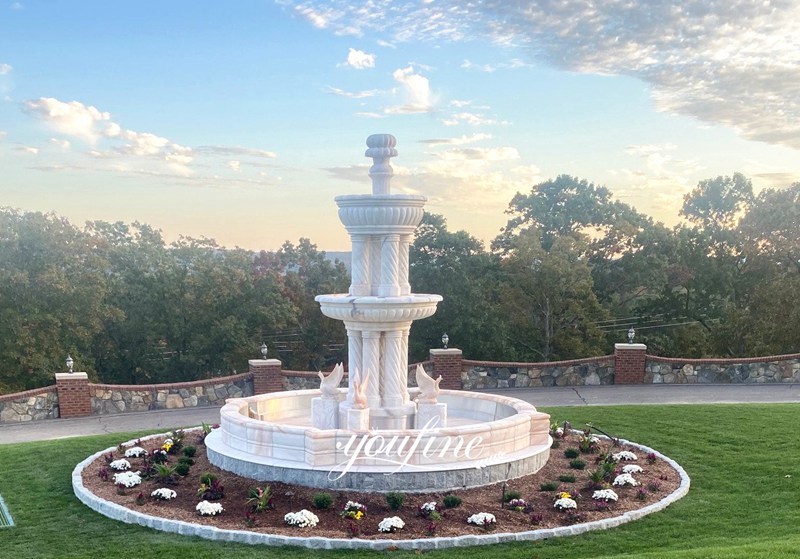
70,363
631,334
445,339
263,350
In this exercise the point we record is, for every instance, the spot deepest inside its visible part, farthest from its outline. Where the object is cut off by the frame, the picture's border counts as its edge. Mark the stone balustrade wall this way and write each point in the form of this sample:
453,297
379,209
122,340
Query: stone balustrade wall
40,403
113,398
476,375
757,370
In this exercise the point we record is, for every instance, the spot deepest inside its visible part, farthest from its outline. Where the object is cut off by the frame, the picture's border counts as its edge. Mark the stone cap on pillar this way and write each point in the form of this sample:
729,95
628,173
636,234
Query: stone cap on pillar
71,376
617,347
448,351
264,362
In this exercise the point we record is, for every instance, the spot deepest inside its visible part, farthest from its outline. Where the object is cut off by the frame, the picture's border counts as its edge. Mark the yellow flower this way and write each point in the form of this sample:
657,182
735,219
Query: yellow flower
564,495
359,514
166,446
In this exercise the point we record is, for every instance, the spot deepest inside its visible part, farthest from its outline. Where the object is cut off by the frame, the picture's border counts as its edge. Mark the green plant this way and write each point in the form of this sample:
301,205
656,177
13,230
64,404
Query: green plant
189,451
577,464
572,453
395,500
511,495
323,500
211,491
182,469
556,443
566,478
186,460
548,486
451,501
207,477
166,474
260,498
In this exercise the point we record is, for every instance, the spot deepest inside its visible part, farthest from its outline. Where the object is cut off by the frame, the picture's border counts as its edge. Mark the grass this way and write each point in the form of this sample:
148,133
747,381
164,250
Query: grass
741,504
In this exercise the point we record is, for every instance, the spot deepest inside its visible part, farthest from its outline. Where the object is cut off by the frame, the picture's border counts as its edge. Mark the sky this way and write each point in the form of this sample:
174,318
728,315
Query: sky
241,121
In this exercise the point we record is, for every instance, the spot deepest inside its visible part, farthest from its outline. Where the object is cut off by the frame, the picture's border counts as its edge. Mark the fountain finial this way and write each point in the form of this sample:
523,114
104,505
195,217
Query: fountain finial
381,149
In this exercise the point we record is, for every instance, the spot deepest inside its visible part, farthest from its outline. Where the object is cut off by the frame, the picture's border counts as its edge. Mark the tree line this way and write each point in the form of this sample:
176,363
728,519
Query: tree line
571,271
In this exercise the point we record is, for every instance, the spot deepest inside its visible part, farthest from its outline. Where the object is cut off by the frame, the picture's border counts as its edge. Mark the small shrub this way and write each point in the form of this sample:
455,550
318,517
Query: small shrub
186,460
654,486
577,464
451,501
572,453
511,495
395,500
140,499
642,494
651,458
249,518
566,478
537,519
556,444
189,451
323,500
207,478
182,469
548,486
104,474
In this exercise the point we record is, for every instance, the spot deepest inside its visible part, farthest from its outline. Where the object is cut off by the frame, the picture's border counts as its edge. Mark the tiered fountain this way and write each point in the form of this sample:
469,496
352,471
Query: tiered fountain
377,434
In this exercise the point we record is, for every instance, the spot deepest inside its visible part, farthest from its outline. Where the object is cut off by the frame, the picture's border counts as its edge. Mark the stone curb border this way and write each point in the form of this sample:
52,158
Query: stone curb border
117,512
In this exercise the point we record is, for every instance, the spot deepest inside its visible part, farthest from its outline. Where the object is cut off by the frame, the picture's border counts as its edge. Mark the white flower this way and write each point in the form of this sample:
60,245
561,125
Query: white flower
127,479
301,519
560,432
428,507
135,452
625,479
605,495
170,442
205,508
391,524
481,519
624,455
632,469
120,465
164,494
594,440
353,505
564,503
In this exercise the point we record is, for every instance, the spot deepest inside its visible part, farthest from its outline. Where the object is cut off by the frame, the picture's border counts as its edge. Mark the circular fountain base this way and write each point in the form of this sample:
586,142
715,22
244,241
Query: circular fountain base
488,439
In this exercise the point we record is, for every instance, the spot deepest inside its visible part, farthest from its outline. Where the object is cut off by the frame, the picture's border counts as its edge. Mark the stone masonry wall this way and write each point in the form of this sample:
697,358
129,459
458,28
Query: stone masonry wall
112,398
783,368
40,403
578,372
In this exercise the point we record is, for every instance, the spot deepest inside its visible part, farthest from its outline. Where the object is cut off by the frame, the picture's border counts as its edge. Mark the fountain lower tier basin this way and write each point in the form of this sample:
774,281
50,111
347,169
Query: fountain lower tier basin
488,439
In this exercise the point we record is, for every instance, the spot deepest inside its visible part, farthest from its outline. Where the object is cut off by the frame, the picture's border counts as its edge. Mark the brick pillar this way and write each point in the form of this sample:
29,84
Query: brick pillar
629,363
447,362
267,375
73,395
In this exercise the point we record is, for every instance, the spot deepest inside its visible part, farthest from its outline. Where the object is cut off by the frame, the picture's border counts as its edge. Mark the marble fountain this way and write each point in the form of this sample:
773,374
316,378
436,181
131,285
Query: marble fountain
377,434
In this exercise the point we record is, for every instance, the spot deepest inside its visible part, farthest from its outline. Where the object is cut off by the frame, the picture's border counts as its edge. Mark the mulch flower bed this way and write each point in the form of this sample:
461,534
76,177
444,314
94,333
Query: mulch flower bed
522,504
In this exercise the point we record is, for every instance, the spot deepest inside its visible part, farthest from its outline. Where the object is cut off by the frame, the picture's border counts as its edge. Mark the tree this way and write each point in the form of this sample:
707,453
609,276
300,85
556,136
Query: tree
455,265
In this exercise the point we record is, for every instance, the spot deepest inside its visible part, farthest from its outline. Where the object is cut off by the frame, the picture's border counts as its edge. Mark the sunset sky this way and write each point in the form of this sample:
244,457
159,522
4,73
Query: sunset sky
241,121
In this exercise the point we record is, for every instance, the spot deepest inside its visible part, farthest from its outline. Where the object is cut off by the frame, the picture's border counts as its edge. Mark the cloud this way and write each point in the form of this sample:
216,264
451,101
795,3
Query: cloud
234,166
63,144
3,134
237,151
732,63
27,149
352,94
417,90
458,141
370,115
72,119
359,59
468,118
5,69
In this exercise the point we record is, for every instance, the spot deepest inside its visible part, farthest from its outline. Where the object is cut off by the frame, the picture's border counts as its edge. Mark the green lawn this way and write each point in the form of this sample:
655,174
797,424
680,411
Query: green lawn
741,505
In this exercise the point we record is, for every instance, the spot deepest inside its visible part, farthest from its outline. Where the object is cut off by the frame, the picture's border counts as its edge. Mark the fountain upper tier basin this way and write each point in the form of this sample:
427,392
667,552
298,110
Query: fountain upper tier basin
376,213
489,439
404,308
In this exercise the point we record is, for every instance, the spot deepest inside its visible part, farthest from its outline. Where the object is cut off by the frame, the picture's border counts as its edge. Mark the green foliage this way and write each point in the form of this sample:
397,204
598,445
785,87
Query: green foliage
572,453
566,478
164,473
451,501
182,469
548,486
577,464
395,500
510,495
212,490
260,498
322,500
189,451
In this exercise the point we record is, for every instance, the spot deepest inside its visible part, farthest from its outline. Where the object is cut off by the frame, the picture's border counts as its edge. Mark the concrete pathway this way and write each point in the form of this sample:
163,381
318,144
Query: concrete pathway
540,397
